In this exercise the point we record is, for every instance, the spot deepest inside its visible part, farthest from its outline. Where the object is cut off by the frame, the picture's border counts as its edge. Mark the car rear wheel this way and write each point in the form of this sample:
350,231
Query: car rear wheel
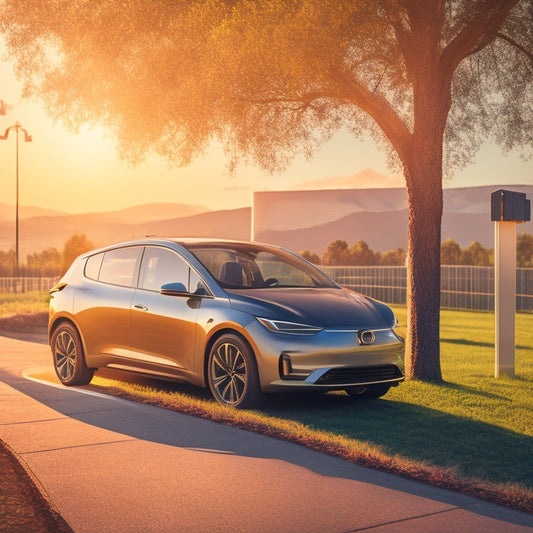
69,359
368,391
232,373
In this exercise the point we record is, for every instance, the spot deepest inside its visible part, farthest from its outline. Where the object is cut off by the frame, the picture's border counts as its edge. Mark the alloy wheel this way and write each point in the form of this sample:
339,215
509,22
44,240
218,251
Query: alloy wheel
229,373
65,355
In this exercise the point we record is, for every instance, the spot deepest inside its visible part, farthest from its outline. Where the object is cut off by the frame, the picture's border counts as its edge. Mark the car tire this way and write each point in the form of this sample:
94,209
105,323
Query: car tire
69,359
232,373
369,391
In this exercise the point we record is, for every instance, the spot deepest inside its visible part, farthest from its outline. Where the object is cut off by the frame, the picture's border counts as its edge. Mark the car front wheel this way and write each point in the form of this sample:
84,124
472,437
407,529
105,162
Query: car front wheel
232,373
69,360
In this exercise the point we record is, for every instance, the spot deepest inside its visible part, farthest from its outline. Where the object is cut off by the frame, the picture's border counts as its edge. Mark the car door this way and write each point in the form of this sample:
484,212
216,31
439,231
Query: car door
164,327
103,306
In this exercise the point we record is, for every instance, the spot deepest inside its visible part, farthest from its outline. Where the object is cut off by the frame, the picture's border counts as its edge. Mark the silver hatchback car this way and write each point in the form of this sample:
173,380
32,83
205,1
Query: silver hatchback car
240,318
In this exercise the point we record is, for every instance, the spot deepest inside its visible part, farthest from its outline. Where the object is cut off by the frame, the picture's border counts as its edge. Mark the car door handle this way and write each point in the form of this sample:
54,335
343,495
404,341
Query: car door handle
140,307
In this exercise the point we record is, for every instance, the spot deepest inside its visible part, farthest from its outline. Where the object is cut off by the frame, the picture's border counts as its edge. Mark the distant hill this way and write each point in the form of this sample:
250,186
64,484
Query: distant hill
227,224
382,231
385,231
310,220
156,211
7,212
298,220
137,213
38,233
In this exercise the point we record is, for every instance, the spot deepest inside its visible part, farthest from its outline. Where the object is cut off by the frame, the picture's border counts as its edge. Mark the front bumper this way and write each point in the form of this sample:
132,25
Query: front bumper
328,360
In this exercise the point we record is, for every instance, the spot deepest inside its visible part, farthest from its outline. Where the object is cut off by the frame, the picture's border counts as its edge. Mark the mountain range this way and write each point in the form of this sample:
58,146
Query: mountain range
310,220
377,216
39,232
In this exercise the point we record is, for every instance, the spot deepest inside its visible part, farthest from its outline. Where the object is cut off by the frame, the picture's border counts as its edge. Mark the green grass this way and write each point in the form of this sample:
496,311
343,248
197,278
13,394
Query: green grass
23,303
471,432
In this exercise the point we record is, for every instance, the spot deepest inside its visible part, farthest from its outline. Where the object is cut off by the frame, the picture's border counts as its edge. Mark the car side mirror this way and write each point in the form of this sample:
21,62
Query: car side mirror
174,289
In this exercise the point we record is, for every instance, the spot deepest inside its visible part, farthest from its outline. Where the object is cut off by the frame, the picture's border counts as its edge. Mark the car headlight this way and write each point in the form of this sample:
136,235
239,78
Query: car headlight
280,326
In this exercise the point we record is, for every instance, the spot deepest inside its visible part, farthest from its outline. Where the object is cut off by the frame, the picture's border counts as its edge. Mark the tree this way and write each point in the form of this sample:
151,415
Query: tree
450,252
393,257
524,250
362,254
429,79
46,263
337,254
310,256
476,254
75,246
7,263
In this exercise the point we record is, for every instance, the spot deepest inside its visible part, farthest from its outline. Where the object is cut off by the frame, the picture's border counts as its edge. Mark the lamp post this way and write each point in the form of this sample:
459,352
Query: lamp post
27,138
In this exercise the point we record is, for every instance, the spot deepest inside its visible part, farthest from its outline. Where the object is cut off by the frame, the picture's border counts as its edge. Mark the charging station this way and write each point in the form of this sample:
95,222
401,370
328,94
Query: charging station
508,208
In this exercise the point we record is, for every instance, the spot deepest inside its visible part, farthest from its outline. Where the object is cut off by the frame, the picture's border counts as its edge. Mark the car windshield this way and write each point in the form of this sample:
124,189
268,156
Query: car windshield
242,266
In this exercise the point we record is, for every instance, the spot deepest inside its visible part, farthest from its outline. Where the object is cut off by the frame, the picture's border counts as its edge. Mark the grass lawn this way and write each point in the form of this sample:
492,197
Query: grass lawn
473,425
472,432
23,303
23,311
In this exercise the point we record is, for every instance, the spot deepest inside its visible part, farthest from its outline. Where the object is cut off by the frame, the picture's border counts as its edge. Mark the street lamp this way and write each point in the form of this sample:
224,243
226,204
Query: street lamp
27,138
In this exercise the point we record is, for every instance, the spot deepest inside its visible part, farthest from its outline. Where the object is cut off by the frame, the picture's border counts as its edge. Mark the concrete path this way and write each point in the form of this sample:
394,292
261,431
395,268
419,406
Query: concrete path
110,465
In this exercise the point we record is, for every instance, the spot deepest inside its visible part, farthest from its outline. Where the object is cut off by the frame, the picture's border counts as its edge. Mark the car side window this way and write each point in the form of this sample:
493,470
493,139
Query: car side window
92,266
197,284
119,266
161,266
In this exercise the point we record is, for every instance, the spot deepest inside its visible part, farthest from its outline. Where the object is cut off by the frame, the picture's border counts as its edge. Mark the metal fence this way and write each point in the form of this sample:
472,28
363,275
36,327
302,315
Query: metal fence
462,287
16,285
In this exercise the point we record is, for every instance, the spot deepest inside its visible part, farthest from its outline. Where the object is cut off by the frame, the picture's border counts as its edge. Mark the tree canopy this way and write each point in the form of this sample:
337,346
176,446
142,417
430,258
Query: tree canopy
76,245
275,78
430,80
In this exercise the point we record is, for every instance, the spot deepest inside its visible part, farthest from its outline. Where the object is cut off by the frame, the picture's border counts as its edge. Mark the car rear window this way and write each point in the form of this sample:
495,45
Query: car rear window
119,266
92,266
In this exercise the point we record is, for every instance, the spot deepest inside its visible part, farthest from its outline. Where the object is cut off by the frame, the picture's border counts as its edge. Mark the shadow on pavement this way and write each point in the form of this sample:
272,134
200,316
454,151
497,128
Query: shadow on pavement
171,428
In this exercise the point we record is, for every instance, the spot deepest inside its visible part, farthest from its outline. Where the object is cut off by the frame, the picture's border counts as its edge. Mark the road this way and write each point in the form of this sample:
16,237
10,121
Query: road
111,465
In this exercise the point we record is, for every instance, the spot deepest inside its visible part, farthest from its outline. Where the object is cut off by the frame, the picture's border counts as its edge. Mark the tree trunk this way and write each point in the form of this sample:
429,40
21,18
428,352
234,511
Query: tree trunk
423,272
423,175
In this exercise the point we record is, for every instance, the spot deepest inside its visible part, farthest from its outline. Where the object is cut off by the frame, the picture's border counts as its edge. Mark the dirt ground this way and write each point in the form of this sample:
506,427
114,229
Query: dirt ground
23,509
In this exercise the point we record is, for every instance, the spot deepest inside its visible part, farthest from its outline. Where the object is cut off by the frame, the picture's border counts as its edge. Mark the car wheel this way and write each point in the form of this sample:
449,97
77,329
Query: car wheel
69,359
368,391
232,373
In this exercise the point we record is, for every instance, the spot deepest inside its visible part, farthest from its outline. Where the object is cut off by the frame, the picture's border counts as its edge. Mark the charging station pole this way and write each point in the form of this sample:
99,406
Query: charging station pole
507,209
505,297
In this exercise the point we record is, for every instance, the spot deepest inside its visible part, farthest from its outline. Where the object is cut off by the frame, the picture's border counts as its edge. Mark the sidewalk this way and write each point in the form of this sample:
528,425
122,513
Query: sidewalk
110,465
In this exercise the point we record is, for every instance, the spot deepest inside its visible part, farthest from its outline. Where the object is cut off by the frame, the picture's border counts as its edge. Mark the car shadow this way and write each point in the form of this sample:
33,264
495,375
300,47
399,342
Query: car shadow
403,429
172,428
397,428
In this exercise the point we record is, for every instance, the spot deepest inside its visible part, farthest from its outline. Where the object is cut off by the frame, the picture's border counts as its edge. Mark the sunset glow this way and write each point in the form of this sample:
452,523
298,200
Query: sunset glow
83,173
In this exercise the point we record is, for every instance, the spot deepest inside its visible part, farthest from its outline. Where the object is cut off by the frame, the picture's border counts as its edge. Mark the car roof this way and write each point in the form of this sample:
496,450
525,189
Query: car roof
188,241
199,240
185,242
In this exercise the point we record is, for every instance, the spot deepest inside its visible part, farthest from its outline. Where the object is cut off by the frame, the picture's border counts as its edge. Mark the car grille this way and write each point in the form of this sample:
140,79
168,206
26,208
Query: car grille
369,374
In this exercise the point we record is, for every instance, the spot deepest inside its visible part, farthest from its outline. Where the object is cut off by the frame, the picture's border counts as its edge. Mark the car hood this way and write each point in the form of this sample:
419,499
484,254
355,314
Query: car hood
324,307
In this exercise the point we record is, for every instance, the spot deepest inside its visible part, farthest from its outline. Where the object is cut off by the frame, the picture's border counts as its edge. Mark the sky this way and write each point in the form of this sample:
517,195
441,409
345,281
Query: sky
83,173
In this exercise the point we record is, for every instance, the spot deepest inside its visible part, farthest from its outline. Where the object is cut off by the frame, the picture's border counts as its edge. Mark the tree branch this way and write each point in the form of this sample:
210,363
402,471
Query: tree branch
481,30
350,91
527,53
380,110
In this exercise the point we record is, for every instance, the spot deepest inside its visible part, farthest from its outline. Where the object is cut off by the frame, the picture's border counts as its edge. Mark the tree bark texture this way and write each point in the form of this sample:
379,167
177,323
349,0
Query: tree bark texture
423,277
423,173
